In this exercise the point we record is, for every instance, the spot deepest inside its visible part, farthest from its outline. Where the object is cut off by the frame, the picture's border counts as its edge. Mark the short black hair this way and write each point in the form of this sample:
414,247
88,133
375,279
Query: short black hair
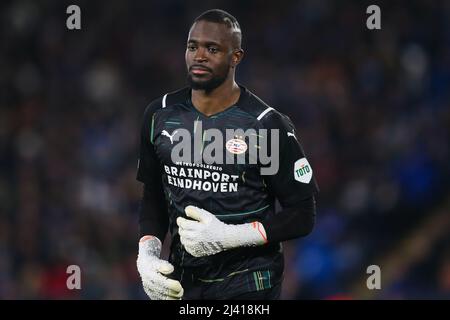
223,17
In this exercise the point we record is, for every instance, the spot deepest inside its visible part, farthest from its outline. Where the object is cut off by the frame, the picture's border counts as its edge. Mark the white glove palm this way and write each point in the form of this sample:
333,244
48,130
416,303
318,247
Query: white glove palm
207,235
154,272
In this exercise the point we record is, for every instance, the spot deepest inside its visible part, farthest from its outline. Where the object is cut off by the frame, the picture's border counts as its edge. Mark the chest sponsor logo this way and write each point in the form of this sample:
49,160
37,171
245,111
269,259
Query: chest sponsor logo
201,177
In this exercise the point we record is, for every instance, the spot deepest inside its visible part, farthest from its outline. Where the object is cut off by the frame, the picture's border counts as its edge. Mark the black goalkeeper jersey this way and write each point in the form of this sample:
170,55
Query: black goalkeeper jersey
234,192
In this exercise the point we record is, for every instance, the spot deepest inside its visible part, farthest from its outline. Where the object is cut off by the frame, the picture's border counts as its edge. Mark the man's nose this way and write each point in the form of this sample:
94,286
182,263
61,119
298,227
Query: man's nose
200,55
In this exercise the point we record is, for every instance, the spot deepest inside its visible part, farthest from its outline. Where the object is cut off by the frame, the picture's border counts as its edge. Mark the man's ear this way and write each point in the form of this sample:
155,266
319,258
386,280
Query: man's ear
238,54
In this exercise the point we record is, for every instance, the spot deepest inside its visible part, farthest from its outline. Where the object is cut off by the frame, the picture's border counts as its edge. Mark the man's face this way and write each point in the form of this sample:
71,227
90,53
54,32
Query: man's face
209,55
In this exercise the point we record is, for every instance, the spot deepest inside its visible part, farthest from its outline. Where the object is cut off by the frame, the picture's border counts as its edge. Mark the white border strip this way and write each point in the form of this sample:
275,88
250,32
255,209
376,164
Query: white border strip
264,113
164,101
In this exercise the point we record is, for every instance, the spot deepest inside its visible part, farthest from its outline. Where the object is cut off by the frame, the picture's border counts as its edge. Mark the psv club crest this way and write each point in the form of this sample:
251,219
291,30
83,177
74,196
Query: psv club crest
236,146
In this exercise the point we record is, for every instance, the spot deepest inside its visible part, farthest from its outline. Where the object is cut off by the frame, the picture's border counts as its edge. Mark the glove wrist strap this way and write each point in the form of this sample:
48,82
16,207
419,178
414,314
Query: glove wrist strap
150,245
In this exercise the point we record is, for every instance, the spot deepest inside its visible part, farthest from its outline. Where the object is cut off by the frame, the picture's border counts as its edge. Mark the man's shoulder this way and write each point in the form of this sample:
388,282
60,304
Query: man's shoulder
269,116
252,104
167,100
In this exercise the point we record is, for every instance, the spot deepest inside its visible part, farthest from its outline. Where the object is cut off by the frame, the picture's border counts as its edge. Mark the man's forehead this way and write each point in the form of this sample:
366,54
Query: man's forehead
206,31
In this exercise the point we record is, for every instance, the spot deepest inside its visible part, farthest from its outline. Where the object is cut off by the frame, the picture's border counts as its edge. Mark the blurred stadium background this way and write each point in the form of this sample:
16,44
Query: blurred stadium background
372,110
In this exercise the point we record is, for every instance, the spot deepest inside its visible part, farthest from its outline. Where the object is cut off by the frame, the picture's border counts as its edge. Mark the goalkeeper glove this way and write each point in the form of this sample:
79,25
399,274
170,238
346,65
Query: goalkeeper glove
154,271
207,235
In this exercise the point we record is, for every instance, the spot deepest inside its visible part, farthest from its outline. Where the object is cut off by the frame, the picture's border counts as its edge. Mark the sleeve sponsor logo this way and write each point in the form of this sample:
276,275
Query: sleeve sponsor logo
302,171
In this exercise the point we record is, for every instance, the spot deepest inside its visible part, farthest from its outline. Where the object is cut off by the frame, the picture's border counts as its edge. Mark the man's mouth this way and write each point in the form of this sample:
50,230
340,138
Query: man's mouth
199,70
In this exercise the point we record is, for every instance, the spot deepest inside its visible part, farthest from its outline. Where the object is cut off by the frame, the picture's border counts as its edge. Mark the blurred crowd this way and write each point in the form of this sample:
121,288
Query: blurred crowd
372,110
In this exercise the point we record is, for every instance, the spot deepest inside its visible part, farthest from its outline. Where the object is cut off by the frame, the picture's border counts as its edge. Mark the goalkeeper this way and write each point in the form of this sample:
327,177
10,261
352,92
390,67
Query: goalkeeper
226,234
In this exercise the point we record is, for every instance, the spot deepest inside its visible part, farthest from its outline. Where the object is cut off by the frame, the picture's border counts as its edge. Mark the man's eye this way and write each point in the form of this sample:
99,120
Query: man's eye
213,49
191,48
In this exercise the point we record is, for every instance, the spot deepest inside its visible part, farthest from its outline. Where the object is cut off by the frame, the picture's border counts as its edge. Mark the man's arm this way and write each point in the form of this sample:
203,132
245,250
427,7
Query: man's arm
206,235
294,184
292,222
153,218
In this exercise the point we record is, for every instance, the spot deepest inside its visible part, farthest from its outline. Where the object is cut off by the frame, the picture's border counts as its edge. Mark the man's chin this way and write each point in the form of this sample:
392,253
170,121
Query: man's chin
198,85
207,84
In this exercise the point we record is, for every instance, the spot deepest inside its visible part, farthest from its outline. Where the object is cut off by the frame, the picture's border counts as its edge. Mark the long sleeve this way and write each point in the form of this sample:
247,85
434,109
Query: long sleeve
153,219
292,222
153,216
293,185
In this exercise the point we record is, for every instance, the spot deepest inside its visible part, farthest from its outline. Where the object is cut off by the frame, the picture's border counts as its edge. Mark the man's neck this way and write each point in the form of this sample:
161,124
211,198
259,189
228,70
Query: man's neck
217,100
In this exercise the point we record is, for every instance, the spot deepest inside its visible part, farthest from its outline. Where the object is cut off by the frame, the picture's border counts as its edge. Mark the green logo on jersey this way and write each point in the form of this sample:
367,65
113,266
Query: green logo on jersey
303,170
